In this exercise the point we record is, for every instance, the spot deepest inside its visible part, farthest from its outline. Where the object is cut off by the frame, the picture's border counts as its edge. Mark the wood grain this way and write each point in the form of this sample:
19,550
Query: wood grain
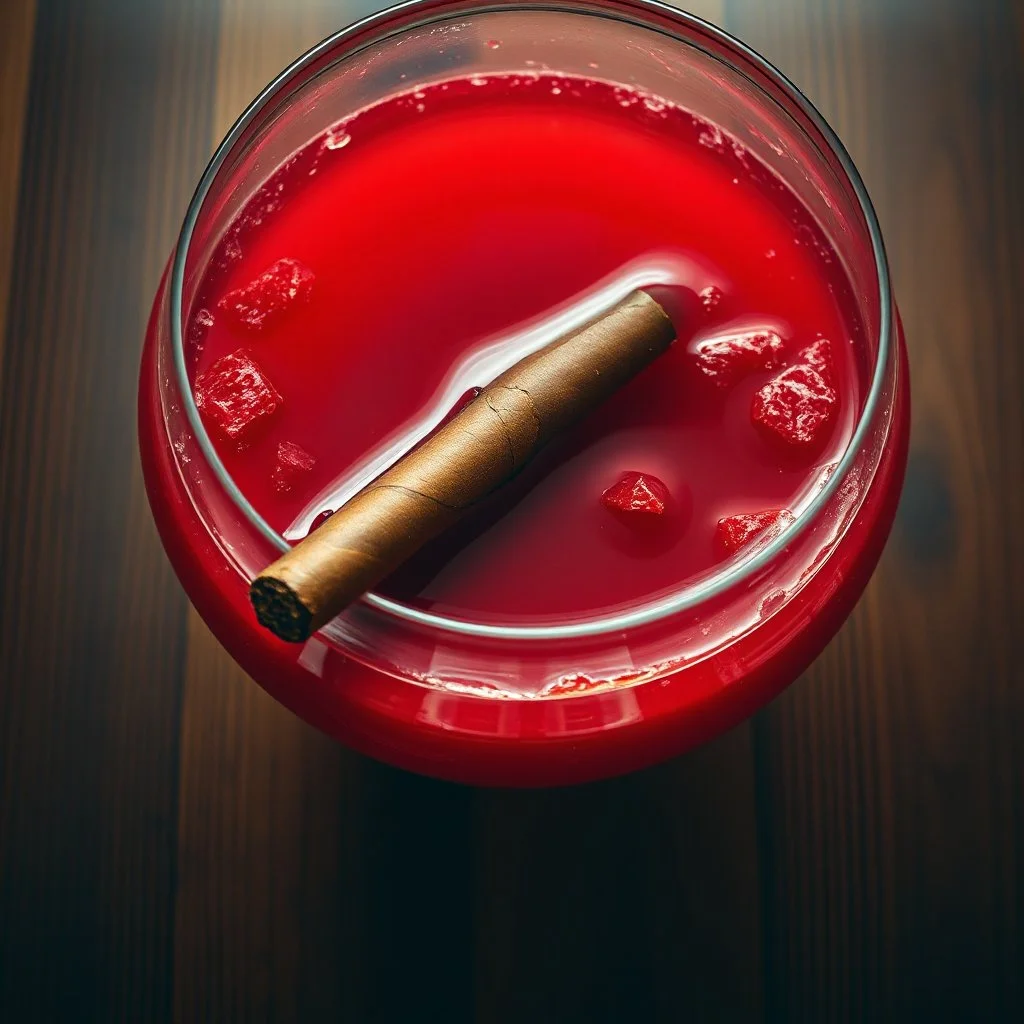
635,899
93,623
893,773
175,846
17,24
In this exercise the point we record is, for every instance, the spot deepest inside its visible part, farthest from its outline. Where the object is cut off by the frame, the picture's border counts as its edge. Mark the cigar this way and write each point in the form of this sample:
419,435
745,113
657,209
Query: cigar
432,487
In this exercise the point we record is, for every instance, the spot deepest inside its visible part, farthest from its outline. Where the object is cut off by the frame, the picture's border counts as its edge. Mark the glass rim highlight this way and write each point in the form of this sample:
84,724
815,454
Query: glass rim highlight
435,11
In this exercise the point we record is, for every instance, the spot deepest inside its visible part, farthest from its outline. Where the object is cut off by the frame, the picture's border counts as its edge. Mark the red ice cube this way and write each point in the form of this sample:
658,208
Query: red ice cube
235,396
819,356
293,463
264,300
734,532
796,407
637,494
728,358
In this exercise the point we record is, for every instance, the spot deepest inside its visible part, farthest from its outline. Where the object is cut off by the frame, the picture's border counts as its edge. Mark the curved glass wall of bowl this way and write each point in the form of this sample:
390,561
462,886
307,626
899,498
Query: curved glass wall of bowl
657,56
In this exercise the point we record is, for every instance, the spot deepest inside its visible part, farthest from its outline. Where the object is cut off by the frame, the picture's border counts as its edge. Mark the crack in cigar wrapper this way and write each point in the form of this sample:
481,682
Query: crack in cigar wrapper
431,488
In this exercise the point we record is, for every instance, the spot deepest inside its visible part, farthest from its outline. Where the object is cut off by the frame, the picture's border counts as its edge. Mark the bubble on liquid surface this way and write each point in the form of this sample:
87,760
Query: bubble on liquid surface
201,324
337,138
230,250
711,136
182,450
478,80
826,475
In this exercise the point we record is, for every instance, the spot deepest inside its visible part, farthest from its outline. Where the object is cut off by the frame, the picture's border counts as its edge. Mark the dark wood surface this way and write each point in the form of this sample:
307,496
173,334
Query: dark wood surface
174,846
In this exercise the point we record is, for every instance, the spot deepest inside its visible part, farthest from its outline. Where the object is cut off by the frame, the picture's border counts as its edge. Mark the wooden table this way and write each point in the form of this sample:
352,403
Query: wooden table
174,846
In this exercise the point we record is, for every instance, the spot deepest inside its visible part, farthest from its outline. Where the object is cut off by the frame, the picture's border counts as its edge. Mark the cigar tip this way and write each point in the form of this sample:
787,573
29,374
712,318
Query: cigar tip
280,610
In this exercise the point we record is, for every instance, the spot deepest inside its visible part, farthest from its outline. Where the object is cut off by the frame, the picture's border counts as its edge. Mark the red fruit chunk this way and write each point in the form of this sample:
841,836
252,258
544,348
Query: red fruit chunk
637,493
235,396
796,407
819,356
263,302
293,463
726,359
734,532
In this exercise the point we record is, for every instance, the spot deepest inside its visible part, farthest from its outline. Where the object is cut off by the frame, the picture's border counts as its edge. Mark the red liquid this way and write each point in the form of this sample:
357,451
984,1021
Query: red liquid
457,216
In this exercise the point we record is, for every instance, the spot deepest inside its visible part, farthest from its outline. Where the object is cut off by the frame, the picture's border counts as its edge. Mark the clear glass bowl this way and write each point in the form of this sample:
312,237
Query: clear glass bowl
466,700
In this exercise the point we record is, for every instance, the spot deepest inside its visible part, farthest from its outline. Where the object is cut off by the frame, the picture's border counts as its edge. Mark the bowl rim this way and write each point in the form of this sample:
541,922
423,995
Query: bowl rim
736,573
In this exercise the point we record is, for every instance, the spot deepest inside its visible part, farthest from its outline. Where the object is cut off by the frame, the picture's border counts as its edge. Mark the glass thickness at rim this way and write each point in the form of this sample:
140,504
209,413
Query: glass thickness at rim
435,11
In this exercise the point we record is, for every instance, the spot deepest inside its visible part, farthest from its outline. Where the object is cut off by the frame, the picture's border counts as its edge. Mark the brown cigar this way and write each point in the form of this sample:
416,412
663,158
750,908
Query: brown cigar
469,457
